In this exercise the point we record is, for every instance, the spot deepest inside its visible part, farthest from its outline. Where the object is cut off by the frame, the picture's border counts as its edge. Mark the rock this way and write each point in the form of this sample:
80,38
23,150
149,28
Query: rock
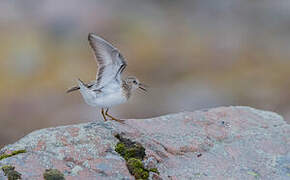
220,143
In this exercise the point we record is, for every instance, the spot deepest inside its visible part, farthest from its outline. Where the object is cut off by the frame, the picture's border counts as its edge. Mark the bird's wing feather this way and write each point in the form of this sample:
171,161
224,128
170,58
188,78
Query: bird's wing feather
110,61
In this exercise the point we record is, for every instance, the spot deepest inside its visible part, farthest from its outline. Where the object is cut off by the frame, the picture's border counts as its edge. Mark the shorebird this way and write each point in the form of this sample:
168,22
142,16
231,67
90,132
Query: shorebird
109,89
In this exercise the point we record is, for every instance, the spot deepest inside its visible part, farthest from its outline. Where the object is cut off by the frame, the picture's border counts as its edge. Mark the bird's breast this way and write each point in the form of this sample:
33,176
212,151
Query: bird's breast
111,99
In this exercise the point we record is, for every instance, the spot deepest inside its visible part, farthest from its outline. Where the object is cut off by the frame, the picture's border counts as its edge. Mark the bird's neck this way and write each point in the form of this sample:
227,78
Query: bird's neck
127,89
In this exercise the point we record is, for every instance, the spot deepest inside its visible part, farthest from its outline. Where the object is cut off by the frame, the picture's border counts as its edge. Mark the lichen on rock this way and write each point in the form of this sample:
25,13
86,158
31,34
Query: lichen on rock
220,142
53,174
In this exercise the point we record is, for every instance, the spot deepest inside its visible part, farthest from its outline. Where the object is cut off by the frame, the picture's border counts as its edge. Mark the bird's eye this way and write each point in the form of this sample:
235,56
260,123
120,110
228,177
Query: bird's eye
135,82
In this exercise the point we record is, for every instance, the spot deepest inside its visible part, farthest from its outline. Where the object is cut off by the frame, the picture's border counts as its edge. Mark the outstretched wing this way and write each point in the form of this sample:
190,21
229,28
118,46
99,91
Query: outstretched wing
110,61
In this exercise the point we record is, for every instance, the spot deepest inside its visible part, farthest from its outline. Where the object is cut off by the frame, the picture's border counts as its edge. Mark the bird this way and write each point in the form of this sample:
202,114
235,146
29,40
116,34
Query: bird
109,88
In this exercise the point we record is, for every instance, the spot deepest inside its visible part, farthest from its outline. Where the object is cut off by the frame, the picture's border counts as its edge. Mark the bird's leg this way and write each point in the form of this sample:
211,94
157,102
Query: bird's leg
103,114
115,119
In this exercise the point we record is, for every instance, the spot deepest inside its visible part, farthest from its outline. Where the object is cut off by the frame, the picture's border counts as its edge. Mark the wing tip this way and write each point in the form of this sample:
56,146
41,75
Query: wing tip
95,36
90,35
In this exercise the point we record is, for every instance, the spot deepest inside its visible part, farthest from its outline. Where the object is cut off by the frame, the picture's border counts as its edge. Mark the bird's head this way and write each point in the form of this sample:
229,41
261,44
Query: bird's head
134,83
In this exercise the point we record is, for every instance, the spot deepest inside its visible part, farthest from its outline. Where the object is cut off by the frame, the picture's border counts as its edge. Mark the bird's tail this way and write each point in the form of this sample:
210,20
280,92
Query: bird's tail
73,89
78,87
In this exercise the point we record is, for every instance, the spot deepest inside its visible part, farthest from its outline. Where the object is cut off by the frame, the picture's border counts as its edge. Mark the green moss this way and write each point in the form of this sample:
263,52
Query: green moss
129,149
13,153
3,156
53,174
136,151
253,173
18,152
133,153
10,172
7,168
136,168
120,148
155,170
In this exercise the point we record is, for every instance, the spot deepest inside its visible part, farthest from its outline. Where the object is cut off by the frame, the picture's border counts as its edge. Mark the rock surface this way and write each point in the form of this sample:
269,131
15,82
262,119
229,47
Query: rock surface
220,143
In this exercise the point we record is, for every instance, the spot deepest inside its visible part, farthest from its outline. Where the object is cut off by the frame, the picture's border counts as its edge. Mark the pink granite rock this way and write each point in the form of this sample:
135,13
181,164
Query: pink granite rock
220,143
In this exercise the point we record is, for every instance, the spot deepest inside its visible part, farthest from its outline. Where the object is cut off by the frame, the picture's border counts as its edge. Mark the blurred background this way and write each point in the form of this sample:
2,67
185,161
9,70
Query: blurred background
193,54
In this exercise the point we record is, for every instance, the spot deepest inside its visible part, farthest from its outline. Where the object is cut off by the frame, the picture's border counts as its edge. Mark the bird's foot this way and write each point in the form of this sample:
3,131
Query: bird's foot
115,119
118,120
112,118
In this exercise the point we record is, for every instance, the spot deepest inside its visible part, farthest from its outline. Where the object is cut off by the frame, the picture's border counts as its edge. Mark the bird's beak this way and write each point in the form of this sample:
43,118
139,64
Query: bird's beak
143,87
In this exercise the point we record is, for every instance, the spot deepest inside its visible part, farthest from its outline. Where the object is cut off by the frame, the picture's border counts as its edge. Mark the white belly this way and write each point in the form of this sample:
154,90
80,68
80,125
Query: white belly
110,100
104,100
108,97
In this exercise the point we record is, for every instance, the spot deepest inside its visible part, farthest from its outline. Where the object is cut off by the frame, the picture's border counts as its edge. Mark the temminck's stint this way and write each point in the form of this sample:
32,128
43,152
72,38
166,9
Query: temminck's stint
109,88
